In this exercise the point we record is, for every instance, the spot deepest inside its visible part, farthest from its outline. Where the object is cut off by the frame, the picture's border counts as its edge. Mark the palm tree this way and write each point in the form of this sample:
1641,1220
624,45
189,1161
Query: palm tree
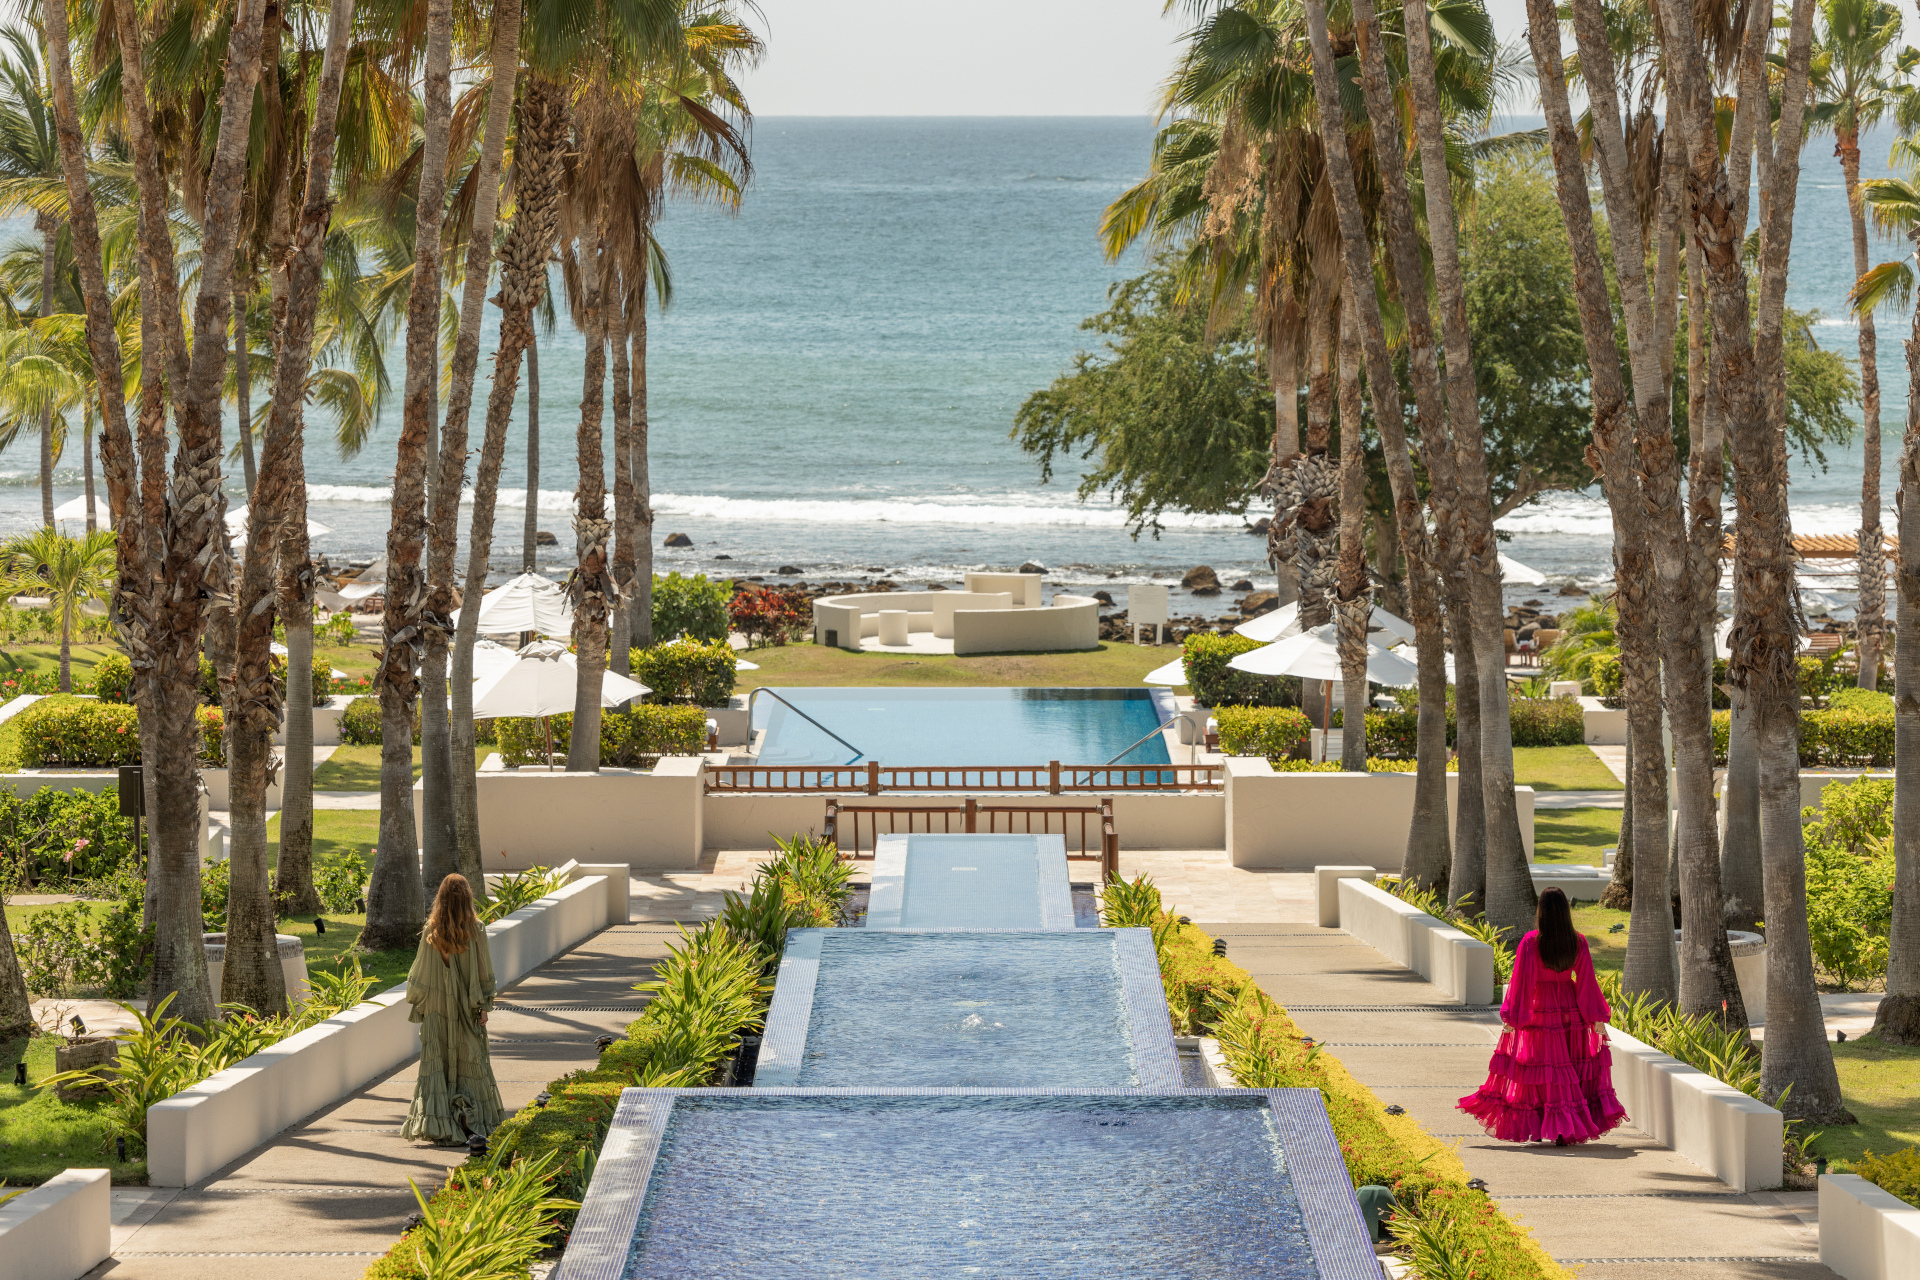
68,571
1850,77
29,164
1894,204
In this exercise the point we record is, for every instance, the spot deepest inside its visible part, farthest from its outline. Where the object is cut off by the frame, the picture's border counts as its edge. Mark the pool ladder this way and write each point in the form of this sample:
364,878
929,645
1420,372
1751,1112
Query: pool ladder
775,693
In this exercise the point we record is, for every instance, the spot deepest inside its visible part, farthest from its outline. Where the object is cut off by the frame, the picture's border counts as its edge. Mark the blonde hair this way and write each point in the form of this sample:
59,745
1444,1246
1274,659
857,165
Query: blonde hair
452,923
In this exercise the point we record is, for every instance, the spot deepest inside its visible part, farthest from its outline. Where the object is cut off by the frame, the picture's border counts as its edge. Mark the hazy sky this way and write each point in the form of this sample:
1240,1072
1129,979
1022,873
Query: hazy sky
976,57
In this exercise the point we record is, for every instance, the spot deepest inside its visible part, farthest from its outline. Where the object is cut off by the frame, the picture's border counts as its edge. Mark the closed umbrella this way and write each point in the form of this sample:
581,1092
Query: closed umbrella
540,682
526,602
1285,621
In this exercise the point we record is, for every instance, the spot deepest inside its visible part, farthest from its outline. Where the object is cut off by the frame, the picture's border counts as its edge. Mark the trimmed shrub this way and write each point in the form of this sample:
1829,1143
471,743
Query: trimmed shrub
628,739
1396,734
1853,699
360,723
1606,675
1841,739
688,672
1273,732
113,678
1547,722
769,615
1217,685
692,606
1897,1173
73,733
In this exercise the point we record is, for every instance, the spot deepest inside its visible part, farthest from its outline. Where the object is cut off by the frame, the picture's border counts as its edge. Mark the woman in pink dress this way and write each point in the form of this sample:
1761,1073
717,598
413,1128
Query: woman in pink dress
1551,1078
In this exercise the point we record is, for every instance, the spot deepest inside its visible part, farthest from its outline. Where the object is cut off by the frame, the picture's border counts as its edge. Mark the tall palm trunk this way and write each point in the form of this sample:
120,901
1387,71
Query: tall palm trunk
1708,986
1305,484
396,903
1870,617
530,538
1649,968
1469,878
1283,376
464,796
194,567
86,472
49,276
640,606
1897,1020
620,318
1750,381
1355,604
591,587
242,384
1428,858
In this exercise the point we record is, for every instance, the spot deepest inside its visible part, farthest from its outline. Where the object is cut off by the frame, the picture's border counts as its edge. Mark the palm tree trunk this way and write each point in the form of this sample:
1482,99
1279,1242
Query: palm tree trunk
1469,878
592,588
1740,874
1650,966
1355,604
242,384
640,607
86,473
1897,1020
49,276
1619,891
1283,373
620,316
1428,857
396,896
66,645
463,791
1870,617
530,539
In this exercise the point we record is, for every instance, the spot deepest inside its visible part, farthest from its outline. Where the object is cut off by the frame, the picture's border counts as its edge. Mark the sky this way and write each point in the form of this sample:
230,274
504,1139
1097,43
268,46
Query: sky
978,57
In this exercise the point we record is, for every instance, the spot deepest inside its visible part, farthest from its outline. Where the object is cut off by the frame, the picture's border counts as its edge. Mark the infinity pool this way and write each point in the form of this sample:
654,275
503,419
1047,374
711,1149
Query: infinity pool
797,1184
920,727
1080,1007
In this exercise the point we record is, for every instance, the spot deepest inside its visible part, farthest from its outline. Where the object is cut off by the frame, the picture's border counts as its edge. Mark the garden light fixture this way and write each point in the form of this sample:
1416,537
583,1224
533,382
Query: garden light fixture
319,924
20,1074
1395,1109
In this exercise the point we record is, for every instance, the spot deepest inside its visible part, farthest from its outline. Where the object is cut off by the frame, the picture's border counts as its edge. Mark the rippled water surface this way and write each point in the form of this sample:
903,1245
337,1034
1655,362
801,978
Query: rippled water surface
968,1009
1028,1187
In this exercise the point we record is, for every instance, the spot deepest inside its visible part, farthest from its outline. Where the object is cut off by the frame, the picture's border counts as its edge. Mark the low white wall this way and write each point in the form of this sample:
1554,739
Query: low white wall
220,793
1297,821
326,723
1735,1138
1578,885
228,1114
1144,820
1326,891
60,1230
1459,965
649,820
1605,726
1023,587
731,722
973,601
618,885
1867,1233
1070,622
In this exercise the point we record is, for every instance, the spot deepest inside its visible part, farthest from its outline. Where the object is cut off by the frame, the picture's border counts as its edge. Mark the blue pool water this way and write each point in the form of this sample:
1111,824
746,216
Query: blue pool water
976,1009
1034,1187
975,882
919,727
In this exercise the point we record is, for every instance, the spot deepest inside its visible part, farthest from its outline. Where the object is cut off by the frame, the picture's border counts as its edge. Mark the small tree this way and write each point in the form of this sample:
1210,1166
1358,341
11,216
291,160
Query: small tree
68,571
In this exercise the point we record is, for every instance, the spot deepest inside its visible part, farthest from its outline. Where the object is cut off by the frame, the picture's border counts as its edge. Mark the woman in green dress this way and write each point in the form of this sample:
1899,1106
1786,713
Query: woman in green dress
451,988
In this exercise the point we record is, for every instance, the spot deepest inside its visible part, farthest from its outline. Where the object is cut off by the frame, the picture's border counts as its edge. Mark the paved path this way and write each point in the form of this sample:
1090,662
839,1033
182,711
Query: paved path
1621,1208
327,1196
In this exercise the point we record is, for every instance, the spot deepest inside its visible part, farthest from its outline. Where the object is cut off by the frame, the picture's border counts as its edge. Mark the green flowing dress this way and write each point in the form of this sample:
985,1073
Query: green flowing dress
456,1095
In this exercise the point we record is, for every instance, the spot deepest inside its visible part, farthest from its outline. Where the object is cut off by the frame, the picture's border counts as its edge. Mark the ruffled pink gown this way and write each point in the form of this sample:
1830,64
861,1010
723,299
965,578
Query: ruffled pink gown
1551,1077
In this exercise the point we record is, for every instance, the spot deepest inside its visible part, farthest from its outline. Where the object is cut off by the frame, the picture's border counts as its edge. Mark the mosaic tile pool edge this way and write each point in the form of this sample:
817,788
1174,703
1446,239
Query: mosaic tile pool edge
783,1042
1156,1060
602,1238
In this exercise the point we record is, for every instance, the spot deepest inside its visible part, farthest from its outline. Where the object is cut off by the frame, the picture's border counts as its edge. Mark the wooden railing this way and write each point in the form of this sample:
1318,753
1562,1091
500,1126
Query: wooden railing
1088,829
1052,778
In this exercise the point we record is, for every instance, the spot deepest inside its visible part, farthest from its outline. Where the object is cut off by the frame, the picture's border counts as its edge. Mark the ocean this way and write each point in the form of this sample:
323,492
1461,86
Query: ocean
833,384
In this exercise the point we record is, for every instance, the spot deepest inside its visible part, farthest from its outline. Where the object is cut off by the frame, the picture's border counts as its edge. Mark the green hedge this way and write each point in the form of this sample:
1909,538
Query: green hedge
692,605
1897,1173
1273,732
81,733
360,723
1547,722
688,672
1217,685
113,678
627,738
1837,738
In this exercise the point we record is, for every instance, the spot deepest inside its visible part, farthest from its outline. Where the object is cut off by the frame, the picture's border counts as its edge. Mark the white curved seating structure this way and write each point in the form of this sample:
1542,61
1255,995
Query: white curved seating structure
976,621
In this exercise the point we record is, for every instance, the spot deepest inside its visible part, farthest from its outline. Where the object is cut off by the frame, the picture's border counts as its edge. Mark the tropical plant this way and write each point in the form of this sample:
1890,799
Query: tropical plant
70,572
521,889
690,606
499,1220
1586,634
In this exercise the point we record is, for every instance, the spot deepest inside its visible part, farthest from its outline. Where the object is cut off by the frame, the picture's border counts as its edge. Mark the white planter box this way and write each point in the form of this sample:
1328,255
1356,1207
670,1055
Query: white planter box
648,820
1459,965
1735,1138
1296,821
1605,726
60,1230
1866,1233
209,1126
326,723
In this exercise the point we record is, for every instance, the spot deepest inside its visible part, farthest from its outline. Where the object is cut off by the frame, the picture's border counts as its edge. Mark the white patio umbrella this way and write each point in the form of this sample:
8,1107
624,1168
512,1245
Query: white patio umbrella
1285,621
75,512
1172,673
540,682
526,602
237,525
1315,655
741,664
1515,574
490,656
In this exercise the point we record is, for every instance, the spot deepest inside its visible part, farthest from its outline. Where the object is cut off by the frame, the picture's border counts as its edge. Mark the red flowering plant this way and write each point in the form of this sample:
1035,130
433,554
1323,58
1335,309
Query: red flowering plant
769,615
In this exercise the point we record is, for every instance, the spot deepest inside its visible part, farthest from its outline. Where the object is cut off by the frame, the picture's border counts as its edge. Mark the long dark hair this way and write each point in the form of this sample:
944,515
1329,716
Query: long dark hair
1559,944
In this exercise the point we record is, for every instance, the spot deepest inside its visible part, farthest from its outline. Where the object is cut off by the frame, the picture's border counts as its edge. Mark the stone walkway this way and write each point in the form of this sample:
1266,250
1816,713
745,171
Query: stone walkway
327,1196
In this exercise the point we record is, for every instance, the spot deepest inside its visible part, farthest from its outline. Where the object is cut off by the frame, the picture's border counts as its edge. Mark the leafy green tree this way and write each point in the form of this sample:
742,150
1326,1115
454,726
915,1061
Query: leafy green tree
68,571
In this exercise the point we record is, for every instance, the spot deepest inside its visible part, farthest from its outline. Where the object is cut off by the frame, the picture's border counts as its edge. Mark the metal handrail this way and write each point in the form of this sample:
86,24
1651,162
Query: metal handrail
1157,729
775,693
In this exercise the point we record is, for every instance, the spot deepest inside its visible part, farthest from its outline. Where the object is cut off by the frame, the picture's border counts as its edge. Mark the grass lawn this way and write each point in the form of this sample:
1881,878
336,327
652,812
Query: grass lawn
352,768
41,1135
1575,835
1881,1083
34,658
812,664
325,950
1562,769
334,831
